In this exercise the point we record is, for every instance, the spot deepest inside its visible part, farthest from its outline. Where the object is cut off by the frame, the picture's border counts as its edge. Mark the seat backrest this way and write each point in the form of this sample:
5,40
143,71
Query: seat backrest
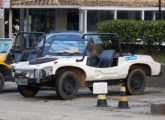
106,58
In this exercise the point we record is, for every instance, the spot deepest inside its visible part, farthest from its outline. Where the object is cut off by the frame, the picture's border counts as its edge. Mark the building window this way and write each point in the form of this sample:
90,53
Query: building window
129,15
42,20
149,15
94,17
72,19
163,15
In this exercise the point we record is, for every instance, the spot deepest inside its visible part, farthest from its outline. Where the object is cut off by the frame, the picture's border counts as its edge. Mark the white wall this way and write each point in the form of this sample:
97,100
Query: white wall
61,19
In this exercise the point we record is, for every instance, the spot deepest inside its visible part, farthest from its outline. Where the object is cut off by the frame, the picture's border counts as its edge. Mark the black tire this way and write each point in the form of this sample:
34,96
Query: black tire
28,90
2,82
66,85
136,82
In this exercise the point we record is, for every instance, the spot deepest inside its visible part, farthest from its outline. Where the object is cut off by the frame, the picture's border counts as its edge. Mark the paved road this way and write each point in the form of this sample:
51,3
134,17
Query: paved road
46,106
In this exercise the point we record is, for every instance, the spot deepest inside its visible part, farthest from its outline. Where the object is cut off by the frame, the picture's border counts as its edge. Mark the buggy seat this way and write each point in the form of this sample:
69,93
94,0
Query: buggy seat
106,58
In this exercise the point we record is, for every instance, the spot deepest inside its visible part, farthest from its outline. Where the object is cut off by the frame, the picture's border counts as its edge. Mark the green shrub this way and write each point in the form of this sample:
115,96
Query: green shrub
149,32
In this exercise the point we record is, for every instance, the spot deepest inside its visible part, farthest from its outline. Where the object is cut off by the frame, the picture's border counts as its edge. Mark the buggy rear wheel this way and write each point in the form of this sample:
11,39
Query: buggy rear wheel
28,90
136,82
2,82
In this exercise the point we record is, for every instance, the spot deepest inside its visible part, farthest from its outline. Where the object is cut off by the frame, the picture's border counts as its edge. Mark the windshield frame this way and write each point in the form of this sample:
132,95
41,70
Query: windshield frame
43,35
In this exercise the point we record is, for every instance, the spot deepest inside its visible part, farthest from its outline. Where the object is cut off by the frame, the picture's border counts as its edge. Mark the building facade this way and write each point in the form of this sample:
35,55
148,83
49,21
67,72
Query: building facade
79,15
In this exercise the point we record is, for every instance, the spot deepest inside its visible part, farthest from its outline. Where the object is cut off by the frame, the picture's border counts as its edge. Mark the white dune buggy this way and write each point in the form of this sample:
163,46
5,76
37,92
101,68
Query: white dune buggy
70,64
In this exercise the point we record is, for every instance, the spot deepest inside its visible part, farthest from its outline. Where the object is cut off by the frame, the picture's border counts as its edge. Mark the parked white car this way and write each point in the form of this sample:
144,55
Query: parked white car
71,64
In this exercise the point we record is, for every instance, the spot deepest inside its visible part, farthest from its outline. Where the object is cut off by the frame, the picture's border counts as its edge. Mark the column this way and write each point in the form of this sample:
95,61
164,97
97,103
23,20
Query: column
27,20
154,15
61,19
27,27
21,25
2,26
21,19
10,23
81,28
115,14
142,17
85,21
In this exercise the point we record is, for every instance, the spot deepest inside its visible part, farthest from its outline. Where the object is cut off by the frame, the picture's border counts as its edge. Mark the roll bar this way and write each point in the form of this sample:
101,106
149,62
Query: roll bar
112,34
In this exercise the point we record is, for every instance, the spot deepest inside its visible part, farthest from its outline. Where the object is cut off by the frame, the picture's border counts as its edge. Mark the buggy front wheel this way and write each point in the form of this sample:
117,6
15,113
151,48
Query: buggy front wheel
66,85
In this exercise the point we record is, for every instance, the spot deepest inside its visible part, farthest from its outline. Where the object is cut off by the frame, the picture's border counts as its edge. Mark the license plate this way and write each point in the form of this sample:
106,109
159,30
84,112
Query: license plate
21,81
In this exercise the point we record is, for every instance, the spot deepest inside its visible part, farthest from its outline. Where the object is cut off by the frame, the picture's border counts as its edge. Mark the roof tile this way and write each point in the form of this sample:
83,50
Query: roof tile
126,3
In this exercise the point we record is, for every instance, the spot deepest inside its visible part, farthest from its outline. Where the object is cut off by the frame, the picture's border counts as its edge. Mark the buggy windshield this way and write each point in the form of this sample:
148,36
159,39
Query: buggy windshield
5,45
68,46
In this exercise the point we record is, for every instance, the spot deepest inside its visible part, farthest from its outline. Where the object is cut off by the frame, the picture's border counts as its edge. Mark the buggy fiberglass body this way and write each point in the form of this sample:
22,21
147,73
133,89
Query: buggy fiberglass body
70,64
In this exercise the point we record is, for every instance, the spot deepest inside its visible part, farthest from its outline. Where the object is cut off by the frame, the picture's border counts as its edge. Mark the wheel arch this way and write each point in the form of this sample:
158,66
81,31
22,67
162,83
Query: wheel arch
146,68
77,70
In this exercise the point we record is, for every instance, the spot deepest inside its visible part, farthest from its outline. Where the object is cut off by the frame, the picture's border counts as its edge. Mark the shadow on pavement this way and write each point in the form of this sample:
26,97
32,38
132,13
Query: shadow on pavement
14,89
45,94
80,94
7,90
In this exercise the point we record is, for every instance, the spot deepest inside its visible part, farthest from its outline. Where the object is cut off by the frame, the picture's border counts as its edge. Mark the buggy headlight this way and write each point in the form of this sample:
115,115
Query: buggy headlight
42,73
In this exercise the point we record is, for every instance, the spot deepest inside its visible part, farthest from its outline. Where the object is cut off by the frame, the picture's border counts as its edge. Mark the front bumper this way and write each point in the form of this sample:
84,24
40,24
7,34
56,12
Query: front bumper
24,77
